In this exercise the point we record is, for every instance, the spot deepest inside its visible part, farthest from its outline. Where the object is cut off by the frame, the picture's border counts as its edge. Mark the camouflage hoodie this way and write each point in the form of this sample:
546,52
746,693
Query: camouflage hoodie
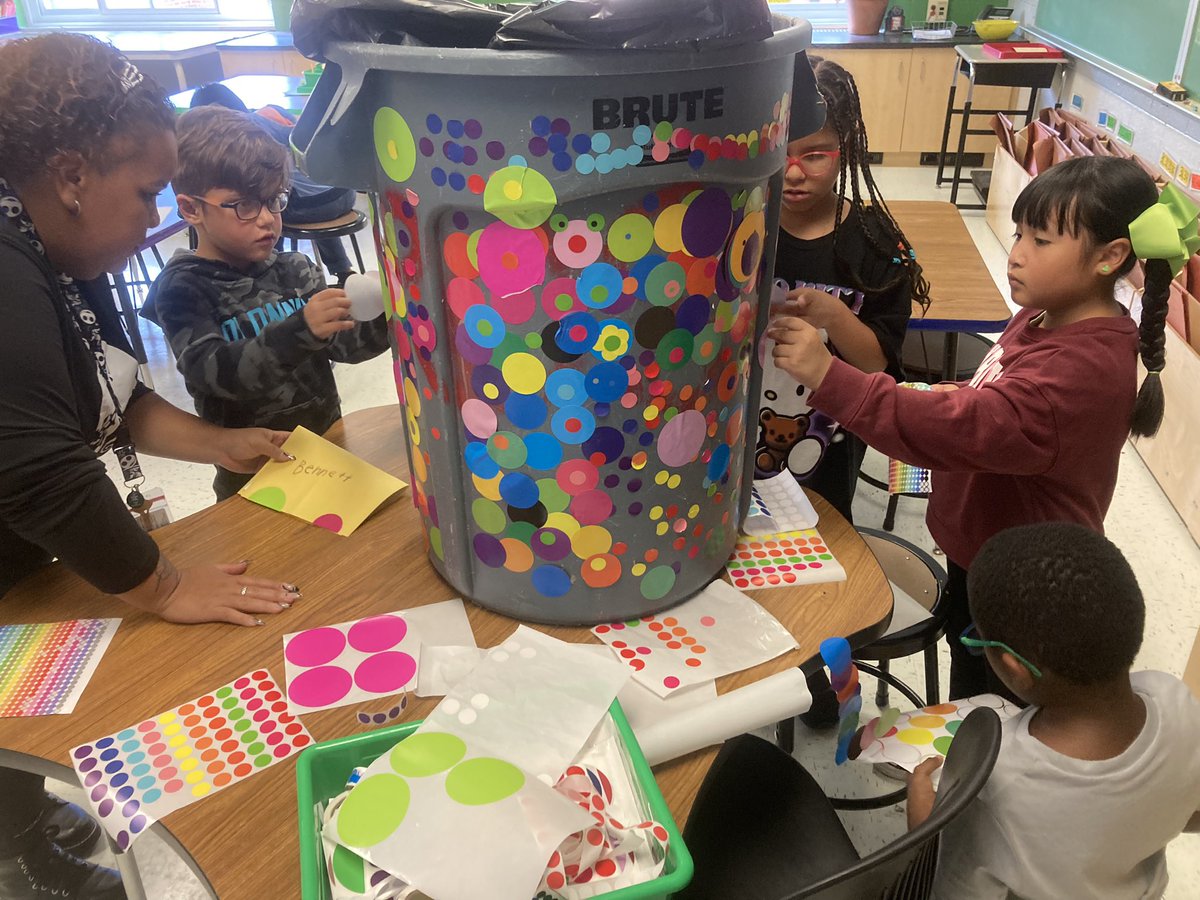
243,347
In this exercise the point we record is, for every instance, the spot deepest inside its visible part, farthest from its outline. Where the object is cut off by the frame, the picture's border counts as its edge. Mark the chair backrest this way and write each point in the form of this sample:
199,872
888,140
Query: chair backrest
908,567
904,869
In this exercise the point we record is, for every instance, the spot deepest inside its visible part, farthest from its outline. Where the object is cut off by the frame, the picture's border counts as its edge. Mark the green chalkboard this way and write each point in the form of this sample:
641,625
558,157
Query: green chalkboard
1141,37
1191,71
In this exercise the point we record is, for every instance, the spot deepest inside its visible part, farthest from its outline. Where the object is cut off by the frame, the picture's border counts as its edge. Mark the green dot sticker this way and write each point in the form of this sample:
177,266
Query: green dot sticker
425,754
270,497
658,582
942,744
263,761
256,748
394,144
242,725
665,283
519,196
229,702
488,515
483,780
348,870
373,810
225,691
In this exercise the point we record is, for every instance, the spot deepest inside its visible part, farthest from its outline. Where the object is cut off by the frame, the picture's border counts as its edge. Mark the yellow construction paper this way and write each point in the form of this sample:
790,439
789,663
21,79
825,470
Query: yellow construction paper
325,485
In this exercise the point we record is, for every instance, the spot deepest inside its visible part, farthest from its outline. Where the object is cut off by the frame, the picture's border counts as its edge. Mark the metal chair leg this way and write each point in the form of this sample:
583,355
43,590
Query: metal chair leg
785,734
889,517
881,689
932,681
357,253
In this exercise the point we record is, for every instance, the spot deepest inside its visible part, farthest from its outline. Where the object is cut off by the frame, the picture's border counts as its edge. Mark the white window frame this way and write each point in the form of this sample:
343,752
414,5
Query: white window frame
822,16
139,19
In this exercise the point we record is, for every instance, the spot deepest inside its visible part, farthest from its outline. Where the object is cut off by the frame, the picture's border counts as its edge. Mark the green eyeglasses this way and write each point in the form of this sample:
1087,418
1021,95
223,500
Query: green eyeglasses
978,644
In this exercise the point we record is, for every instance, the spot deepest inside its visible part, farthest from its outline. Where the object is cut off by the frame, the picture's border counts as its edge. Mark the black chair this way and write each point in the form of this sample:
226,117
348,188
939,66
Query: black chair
918,584
347,225
762,828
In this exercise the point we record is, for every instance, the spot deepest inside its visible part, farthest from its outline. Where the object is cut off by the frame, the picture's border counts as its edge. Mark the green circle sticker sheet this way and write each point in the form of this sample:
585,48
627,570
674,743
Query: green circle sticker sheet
141,773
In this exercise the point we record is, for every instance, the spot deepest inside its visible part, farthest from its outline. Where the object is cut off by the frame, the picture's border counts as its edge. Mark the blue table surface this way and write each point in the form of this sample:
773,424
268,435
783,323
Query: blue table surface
256,92
263,40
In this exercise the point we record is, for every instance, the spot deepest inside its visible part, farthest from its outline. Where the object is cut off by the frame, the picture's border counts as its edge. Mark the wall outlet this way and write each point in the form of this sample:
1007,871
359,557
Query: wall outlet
936,12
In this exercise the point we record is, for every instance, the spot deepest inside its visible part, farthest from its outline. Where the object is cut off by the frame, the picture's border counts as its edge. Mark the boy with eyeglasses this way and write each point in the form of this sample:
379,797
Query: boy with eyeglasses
253,331
1100,772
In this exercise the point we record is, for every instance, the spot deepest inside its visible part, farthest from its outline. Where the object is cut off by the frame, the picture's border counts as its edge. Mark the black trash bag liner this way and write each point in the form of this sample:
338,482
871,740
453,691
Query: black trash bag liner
808,106
551,25
635,24
436,23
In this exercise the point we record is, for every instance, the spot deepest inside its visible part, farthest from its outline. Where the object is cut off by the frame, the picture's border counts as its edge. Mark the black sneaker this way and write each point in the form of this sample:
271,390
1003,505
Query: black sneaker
45,870
68,826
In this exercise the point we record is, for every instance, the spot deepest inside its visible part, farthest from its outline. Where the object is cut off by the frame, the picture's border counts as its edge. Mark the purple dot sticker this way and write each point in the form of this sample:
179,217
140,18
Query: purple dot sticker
98,792
315,647
385,673
83,751
320,687
706,222
88,764
130,808
92,778
104,742
123,840
377,633
138,823
124,793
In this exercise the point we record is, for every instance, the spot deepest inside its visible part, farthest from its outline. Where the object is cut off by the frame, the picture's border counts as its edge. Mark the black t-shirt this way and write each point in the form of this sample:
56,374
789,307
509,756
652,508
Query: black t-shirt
55,496
791,434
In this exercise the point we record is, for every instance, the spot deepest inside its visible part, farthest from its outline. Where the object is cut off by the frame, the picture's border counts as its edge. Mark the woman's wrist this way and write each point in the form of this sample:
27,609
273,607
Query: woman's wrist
153,594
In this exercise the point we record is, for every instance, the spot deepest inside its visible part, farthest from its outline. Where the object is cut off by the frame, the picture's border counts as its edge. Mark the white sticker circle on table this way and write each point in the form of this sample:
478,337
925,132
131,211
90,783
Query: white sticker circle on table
366,296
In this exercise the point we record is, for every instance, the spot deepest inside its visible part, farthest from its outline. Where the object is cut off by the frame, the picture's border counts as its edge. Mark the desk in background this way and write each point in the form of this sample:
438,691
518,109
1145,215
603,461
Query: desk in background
963,294
152,666
264,53
256,91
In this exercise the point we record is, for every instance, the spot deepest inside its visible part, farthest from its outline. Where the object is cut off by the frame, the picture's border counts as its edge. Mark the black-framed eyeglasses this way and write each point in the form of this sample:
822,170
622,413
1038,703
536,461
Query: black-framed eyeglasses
250,208
976,645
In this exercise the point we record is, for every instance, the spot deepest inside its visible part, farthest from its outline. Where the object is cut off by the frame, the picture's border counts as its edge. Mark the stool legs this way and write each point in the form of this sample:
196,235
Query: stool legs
932,684
357,253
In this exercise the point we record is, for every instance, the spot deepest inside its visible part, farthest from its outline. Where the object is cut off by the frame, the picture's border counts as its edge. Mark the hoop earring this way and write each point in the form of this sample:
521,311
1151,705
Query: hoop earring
78,208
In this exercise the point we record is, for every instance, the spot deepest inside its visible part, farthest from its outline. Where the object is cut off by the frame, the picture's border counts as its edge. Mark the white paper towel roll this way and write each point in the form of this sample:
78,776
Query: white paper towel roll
366,295
769,700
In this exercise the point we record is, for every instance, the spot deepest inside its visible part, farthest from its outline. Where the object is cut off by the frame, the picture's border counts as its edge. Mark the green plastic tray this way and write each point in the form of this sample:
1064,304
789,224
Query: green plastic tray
322,770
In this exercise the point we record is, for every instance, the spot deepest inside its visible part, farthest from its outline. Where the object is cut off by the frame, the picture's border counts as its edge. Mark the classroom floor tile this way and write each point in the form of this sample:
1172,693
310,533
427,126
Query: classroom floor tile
1141,522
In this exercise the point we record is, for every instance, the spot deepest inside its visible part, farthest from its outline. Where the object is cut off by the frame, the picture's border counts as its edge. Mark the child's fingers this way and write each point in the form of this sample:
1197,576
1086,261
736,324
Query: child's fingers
928,767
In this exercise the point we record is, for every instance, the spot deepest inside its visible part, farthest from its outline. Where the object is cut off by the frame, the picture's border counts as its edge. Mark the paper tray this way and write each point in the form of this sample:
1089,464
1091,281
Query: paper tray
322,770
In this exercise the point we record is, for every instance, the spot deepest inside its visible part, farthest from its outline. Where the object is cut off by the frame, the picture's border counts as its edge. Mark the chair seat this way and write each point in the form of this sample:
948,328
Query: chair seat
349,223
906,612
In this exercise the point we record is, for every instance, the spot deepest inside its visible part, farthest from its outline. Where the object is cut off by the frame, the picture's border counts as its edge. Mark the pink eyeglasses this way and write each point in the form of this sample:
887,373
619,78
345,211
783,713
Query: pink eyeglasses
814,163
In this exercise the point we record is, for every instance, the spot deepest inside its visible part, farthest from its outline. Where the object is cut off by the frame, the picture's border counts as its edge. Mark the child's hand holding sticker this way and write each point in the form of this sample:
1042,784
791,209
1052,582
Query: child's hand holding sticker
800,350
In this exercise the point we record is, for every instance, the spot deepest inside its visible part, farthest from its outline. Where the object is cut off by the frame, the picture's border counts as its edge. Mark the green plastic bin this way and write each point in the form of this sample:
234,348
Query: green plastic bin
323,768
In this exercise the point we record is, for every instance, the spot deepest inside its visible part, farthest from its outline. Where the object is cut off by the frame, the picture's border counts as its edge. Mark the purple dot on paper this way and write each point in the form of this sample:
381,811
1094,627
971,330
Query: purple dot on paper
380,718
92,778
377,633
114,766
123,840
320,687
138,823
378,877
130,808
105,807
124,793
315,647
88,764
81,752
385,673
495,149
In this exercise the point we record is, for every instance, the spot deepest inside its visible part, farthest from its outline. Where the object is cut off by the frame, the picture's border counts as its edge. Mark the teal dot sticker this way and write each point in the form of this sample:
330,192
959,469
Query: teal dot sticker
422,755
483,780
373,810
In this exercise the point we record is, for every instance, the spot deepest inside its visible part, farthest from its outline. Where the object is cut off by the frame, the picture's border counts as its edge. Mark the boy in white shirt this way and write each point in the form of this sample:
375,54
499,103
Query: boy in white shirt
1101,772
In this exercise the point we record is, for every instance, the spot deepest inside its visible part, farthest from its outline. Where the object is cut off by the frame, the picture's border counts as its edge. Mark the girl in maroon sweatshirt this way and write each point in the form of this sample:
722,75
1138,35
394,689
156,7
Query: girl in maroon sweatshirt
1035,436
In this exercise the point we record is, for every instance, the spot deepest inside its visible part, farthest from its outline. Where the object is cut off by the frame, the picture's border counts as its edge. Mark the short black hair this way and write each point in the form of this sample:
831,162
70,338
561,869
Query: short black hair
216,94
1060,595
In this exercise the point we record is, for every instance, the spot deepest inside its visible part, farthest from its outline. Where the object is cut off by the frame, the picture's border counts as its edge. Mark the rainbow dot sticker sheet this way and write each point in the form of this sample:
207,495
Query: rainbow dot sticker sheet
717,632
140,774
337,665
44,668
907,739
784,559
325,485
904,478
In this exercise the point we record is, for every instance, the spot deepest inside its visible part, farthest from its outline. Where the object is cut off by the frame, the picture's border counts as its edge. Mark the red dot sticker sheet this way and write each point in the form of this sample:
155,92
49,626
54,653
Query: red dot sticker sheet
337,665
783,560
717,632
141,773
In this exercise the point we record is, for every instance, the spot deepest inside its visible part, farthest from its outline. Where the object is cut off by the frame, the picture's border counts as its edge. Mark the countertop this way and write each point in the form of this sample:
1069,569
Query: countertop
841,39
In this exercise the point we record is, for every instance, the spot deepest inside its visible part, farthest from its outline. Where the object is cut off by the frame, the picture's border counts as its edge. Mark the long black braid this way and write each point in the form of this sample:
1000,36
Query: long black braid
886,239
1152,347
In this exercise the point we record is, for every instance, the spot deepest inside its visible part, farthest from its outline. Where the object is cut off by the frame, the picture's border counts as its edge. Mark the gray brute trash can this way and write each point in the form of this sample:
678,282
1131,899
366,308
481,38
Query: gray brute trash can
578,249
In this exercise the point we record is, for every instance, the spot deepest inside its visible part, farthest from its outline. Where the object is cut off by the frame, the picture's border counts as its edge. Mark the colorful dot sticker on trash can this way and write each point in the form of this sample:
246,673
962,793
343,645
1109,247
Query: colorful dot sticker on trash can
140,774
519,196
394,145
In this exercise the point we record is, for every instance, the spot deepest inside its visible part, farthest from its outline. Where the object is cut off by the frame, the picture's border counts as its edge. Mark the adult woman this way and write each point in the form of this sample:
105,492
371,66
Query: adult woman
86,144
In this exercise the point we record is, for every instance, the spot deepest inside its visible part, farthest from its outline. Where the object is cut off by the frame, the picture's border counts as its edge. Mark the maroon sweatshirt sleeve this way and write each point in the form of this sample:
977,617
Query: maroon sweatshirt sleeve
1006,427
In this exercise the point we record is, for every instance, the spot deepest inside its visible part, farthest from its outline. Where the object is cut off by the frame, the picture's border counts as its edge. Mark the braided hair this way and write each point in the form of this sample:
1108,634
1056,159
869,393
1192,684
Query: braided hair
884,236
70,93
1096,198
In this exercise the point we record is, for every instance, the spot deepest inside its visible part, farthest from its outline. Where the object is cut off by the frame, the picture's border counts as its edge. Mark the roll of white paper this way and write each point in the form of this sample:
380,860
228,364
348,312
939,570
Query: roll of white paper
366,296
756,705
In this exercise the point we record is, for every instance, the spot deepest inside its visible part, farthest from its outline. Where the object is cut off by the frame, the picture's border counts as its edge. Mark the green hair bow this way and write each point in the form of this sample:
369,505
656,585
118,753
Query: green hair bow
1167,230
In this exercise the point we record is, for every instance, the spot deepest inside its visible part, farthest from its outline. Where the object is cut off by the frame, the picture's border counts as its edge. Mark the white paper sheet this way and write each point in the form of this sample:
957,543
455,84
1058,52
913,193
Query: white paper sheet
350,662
444,667
442,624
718,631
779,504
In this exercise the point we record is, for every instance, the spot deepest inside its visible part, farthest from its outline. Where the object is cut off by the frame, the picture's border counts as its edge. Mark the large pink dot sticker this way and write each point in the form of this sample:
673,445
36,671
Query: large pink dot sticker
329,521
385,673
320,687
315,648
511,260
377,633
680,440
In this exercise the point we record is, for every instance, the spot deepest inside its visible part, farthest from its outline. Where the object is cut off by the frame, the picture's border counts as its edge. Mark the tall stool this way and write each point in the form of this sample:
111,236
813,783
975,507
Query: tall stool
348,225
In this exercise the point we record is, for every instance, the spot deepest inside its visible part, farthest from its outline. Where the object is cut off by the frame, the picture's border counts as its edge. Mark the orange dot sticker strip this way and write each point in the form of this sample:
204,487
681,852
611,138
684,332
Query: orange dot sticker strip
783,560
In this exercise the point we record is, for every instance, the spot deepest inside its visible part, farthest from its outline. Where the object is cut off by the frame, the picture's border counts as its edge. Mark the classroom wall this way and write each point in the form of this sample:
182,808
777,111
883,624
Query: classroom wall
1158,128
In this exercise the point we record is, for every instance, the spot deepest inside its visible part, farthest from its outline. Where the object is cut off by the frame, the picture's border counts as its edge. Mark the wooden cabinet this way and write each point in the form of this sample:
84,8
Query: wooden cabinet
925,112
903,94
263,62
882,77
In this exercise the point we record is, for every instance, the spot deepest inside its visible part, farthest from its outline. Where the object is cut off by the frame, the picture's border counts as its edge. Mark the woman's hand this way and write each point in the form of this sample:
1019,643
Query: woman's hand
246,449
799,350
214,593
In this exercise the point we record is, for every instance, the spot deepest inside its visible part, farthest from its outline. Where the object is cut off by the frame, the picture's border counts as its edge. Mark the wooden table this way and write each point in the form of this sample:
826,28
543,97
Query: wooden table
963,296
243,840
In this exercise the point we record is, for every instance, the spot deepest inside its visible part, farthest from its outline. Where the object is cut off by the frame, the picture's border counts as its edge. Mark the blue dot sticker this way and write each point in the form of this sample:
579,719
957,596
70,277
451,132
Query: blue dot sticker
550,581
